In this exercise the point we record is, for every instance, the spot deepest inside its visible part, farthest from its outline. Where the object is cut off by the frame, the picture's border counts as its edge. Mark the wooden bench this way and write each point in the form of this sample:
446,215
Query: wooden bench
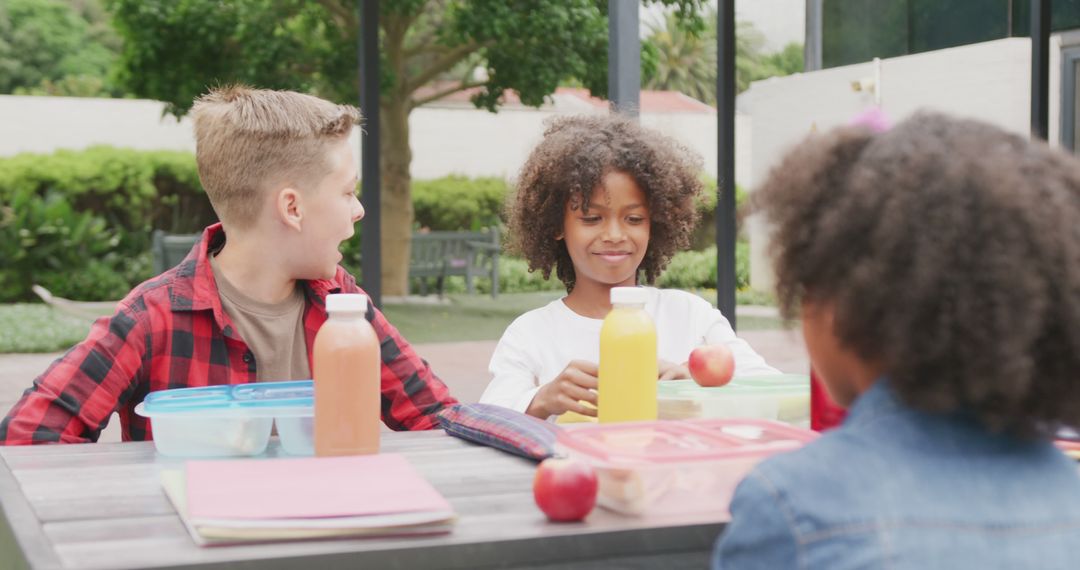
435,255
443,254
168,250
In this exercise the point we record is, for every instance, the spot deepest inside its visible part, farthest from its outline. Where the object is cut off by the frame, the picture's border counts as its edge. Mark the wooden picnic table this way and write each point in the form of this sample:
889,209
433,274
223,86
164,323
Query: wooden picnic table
101,506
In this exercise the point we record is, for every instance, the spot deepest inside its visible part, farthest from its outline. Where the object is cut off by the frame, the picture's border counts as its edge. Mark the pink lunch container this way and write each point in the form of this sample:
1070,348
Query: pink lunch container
668,467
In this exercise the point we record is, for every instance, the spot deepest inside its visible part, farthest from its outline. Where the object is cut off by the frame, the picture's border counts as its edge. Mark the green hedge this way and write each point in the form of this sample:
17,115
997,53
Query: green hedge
687,270
44,240
705,233
458,203
132,190
697,269
79,222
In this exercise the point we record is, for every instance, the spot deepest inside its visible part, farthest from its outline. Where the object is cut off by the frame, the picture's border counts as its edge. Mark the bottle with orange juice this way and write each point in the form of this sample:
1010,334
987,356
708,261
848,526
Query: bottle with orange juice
628,367
346,367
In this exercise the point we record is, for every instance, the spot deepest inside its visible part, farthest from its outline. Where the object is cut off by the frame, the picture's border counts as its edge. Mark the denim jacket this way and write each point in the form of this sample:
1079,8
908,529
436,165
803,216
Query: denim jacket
897,488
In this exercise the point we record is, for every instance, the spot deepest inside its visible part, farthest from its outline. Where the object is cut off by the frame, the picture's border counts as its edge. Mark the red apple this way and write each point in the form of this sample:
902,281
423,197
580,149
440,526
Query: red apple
712,365
565,489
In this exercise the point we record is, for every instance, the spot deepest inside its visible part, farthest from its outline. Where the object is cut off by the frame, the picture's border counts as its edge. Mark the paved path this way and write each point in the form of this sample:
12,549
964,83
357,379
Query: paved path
462,365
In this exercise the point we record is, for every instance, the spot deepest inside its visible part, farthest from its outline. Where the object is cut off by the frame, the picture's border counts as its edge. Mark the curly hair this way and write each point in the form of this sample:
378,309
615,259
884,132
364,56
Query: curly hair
949,251
569,164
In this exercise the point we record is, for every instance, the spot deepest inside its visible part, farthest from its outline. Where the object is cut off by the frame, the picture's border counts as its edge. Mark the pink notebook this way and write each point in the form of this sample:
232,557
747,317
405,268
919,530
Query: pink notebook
309,487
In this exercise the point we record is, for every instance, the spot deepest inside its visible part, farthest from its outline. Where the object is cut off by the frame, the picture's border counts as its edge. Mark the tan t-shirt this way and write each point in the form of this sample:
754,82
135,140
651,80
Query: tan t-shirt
273,332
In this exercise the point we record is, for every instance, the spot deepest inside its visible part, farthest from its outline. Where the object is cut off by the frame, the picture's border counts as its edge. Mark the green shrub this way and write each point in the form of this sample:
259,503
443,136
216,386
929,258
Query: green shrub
451,203
697,269
43,239
705,232
134,191
706,202
755,297
514,277
79,222
687,270
99,280
458,203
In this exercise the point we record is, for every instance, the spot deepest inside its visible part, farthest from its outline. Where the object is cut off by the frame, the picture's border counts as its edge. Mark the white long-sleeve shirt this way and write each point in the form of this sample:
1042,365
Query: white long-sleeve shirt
538,345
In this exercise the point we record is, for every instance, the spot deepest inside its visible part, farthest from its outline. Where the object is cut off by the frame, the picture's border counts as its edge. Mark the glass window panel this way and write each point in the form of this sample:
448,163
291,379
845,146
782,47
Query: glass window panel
1075,105
854,31
938,24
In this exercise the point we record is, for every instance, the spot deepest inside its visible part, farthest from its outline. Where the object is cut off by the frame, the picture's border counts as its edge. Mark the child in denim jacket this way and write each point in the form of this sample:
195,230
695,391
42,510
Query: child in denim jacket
936,271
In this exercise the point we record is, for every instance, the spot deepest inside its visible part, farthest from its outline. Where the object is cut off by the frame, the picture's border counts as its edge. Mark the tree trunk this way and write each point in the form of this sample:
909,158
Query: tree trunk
397,208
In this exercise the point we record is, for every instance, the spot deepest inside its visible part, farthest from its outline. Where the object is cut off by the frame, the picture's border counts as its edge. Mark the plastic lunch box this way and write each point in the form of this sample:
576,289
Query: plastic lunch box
783,397
667,467
231,420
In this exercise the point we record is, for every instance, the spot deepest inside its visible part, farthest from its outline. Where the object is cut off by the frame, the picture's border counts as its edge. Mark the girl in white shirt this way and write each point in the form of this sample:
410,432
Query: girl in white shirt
602,201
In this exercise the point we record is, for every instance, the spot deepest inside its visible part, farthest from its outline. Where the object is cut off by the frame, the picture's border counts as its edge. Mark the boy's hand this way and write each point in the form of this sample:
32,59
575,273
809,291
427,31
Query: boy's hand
576,383
672,371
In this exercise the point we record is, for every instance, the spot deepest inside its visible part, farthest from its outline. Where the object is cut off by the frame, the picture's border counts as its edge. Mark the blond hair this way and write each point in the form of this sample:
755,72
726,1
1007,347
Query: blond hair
248,140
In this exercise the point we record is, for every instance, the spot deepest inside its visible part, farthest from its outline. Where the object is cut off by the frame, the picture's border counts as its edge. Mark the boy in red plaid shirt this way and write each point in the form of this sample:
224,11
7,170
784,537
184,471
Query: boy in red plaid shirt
281,175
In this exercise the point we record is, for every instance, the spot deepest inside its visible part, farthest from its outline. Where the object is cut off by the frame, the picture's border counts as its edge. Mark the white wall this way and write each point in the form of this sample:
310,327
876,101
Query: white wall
447,139
780,21
988,81
44,124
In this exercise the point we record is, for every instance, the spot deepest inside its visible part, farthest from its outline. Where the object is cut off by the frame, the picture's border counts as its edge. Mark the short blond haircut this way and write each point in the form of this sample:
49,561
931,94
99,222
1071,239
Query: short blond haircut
250,140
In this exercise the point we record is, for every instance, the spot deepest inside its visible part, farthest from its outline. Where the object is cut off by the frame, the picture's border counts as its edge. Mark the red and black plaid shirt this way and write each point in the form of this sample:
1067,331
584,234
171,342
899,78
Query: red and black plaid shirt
171,332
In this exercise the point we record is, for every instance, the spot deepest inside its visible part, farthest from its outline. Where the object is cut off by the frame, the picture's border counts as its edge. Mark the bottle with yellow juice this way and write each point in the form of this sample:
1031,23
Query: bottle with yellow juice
628,368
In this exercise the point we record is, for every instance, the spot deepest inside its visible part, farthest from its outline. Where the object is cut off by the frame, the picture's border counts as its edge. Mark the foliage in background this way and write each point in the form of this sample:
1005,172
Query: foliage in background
55,47
705,232
79,222
173,49
697,269
458,202
691,270
514,277
44,240
784,62
133,190
685,59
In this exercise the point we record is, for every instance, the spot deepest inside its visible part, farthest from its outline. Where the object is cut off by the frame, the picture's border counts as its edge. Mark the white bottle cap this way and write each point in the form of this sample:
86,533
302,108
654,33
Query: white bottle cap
629,296
346,303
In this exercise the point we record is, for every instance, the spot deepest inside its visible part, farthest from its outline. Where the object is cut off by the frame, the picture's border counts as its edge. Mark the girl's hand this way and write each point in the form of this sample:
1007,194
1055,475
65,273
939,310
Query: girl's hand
576,383
672,371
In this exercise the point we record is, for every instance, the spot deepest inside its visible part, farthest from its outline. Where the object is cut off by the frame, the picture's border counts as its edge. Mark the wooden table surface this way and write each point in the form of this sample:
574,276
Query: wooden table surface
101,506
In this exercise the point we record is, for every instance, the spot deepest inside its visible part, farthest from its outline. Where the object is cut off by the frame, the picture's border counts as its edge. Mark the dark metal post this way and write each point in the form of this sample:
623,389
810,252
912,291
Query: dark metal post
624,56
371,240
812,46
725,184
1040,68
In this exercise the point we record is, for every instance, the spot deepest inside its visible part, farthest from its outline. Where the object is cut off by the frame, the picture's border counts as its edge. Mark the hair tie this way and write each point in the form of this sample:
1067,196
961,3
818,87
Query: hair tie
872,118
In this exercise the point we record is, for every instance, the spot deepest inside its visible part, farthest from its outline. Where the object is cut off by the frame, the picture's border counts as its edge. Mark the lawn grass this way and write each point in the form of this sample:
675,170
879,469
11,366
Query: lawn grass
28,327
34,327
464,317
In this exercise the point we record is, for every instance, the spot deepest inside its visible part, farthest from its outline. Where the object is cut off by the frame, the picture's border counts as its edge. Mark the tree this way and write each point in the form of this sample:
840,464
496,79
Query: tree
784,62
174,49
56,47
686,58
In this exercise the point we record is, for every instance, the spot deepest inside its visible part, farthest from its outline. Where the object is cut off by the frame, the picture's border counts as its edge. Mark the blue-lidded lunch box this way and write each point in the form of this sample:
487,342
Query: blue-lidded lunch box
231,420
